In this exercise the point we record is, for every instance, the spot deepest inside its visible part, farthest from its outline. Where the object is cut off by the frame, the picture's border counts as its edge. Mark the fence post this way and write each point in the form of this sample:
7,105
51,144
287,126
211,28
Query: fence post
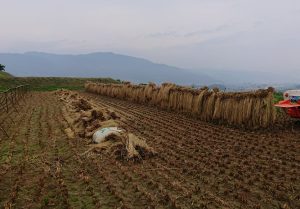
6,102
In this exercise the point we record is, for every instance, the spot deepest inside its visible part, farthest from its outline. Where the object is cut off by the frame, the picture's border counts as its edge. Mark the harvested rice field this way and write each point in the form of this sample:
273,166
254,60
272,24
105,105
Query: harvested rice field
195,165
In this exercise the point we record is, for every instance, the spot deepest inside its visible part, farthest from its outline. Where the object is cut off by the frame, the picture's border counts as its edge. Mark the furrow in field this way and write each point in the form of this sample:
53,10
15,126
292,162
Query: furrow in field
219,159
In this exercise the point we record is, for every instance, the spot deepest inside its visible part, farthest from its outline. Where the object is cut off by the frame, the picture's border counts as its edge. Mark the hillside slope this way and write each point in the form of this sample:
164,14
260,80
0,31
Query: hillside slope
102,64
5,75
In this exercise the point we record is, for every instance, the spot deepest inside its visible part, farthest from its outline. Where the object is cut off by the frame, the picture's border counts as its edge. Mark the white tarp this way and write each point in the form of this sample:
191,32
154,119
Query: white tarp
100,135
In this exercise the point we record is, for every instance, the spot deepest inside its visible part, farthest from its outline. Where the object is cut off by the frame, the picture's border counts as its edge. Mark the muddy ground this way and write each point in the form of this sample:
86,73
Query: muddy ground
198,165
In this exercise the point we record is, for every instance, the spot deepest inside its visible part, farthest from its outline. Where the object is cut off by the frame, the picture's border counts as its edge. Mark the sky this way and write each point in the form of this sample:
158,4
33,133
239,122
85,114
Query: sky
242,35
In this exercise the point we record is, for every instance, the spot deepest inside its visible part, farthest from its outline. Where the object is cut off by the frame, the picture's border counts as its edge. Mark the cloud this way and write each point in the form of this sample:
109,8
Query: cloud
208,31
163,34
188,34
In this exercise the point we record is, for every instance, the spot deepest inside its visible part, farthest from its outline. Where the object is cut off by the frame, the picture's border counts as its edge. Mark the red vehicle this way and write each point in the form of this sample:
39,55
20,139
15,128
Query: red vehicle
291,103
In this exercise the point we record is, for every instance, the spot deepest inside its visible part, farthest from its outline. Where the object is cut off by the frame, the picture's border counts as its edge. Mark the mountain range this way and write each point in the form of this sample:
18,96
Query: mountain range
100,64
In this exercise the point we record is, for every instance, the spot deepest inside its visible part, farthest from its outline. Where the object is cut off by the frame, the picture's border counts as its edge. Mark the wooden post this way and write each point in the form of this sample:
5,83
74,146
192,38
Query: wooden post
6,101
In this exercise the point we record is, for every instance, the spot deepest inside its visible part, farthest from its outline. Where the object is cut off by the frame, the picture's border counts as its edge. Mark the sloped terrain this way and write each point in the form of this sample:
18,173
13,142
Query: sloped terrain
5,75
198,165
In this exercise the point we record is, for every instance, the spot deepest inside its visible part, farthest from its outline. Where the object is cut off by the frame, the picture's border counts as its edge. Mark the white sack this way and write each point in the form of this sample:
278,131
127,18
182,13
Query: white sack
100,135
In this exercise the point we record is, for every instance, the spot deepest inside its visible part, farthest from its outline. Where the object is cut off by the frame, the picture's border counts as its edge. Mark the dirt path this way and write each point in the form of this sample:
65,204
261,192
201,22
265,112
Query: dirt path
199,165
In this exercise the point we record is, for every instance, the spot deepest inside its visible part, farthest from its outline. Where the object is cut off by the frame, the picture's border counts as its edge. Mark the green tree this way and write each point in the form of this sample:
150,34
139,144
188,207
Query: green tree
2,67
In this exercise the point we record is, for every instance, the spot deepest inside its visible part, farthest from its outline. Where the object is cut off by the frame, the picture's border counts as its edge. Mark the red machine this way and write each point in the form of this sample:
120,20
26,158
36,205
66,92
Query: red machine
291,103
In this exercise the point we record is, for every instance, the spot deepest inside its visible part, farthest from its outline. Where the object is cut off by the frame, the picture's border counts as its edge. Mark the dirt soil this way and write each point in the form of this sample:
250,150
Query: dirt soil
198,165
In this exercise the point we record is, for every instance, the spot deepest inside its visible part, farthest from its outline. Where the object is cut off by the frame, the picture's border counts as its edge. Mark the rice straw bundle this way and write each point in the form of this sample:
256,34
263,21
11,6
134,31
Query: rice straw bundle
163,94
149,88
243,109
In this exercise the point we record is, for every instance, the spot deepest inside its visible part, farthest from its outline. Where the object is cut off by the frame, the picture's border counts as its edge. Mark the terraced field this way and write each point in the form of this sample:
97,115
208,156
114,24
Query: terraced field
199,165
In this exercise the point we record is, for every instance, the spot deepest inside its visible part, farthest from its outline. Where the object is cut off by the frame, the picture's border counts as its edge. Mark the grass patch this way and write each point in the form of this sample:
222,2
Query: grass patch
53,88
2,88
278,96
50,83
5,75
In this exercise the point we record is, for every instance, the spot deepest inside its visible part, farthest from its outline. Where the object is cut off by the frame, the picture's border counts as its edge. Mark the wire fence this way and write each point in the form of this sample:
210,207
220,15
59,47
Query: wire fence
10,101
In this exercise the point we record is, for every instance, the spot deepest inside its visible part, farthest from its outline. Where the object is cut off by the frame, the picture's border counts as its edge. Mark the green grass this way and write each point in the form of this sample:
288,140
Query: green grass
278,96
5,75
50,83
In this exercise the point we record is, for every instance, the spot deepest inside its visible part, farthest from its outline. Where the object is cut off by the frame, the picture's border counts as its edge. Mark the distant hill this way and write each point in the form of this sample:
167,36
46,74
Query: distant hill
102,64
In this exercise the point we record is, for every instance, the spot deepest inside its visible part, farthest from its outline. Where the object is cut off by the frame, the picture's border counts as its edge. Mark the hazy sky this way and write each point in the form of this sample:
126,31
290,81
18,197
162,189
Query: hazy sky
260,35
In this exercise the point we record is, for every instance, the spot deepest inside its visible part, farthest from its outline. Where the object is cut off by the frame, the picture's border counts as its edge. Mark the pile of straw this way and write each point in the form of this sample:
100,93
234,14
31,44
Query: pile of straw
84,118
243,109
124,146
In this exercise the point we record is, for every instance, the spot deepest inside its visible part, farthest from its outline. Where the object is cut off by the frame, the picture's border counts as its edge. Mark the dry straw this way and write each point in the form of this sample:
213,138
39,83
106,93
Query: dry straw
243,109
